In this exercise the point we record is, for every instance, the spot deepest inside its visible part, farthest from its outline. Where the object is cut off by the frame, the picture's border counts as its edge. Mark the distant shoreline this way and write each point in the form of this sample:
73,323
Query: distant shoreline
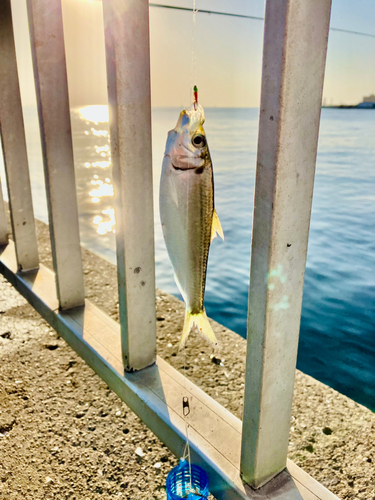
349,106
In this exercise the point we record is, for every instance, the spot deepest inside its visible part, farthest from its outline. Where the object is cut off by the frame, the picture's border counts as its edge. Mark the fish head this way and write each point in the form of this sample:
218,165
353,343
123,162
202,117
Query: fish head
187,144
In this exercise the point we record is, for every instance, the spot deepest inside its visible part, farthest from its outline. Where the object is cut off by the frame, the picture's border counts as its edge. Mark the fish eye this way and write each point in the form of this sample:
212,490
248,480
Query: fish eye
199,141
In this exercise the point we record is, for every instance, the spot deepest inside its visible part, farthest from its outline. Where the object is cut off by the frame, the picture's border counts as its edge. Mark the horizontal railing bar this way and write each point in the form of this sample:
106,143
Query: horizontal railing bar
155,394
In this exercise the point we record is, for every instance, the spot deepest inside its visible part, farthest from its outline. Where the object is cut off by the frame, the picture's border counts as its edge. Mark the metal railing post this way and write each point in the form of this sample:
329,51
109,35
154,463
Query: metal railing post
295,44
3,220
14,148
47,45
128,73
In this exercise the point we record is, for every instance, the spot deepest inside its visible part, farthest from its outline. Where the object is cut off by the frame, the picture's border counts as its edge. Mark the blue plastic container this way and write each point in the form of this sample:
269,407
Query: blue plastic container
178,483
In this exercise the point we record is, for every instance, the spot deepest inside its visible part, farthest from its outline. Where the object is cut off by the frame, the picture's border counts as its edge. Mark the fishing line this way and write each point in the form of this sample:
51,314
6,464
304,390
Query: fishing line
186,411
193,97
244,16
193,70
186,405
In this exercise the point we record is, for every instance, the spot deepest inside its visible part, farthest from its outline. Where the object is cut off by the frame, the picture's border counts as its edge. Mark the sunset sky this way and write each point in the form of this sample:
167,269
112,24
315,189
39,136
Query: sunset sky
228,53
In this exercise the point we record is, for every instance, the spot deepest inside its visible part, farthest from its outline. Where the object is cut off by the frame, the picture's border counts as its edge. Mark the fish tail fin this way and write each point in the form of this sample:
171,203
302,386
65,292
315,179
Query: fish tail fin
204,328
188,326
199,320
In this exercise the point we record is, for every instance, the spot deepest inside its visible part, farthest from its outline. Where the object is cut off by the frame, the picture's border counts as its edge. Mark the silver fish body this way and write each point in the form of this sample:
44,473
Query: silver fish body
187,213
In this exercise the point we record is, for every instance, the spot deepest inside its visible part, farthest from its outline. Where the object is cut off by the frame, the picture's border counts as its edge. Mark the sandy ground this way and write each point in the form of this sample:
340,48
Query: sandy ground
65,435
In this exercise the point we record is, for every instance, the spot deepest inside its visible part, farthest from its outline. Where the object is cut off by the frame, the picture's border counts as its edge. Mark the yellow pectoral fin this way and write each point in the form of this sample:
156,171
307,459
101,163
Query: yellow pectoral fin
216,227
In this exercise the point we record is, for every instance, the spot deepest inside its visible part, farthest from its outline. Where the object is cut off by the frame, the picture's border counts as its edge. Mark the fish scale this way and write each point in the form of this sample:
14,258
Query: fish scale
199,249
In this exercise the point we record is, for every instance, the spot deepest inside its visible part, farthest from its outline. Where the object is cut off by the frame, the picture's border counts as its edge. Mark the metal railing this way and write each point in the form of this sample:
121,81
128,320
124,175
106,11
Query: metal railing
235,455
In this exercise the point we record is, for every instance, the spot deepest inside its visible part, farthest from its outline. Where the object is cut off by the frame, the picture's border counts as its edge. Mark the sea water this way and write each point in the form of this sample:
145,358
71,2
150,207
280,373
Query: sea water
337,338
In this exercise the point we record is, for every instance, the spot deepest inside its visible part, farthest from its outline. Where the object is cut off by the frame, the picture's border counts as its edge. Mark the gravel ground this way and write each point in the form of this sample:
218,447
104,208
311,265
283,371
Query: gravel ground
65,435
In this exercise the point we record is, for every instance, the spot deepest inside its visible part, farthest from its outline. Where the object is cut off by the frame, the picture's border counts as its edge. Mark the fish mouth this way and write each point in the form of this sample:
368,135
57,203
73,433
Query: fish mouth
185,162
188,167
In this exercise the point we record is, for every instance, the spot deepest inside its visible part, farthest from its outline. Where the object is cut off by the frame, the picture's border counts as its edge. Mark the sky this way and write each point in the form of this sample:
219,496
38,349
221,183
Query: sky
228,53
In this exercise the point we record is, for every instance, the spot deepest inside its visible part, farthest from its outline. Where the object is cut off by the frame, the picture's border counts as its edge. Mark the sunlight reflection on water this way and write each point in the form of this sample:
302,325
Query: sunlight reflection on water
92,151
96,114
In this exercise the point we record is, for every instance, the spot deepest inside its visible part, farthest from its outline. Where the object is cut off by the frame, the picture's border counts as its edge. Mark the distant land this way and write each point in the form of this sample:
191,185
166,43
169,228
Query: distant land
367,103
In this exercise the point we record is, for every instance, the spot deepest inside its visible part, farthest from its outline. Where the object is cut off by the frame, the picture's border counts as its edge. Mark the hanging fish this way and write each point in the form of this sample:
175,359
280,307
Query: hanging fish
187,213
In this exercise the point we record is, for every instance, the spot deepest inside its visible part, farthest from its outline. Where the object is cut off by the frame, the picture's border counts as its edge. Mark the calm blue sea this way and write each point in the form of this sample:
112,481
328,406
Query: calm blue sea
337,341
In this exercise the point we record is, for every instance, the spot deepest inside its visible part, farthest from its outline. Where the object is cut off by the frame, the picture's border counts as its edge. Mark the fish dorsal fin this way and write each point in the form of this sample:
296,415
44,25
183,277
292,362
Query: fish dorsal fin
216,227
